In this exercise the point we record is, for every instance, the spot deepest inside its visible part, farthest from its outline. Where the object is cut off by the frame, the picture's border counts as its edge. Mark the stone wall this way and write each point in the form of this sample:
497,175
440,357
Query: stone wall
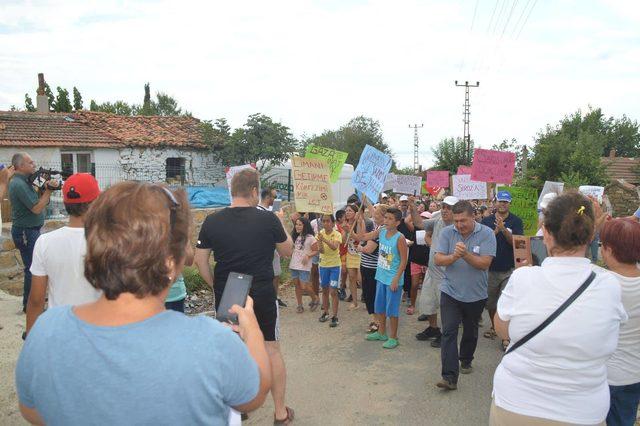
624,198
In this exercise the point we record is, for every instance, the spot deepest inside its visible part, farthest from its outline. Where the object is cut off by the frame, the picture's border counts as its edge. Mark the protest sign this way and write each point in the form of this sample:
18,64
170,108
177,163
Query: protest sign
231,171
438,178
371,173
335,159
389,181
592,191
493,166
312,185
549,187
407,184
466,189
524,203
464,170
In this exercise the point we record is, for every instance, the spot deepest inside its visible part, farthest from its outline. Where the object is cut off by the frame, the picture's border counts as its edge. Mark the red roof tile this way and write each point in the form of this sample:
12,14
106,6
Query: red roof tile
622,168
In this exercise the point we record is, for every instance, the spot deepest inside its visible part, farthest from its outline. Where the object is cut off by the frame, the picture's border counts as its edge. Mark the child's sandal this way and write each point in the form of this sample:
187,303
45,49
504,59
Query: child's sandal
300,309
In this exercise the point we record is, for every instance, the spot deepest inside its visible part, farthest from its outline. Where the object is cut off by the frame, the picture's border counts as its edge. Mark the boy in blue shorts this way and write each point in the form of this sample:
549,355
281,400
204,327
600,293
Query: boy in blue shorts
329,240
392,261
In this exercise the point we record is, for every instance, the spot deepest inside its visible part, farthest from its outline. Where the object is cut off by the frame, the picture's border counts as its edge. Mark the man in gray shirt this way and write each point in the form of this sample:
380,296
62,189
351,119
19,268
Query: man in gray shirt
430,295
465,250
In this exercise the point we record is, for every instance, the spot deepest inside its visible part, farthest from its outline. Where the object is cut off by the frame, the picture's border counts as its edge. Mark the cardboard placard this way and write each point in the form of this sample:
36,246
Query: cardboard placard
335,159
466,189
371,173
438,178
389,181
549,187
524,202
407,184
592,191
493,166
464,170
312,185
522,251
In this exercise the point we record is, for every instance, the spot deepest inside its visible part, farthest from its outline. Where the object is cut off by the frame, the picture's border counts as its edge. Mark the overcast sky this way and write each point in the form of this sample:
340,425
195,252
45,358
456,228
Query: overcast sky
314,65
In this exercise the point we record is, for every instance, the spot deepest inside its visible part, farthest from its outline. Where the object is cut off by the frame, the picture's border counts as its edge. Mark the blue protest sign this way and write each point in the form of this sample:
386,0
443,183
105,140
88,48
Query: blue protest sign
371,173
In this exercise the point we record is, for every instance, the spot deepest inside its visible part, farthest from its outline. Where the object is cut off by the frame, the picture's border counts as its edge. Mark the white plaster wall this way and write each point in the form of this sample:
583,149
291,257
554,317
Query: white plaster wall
47,157
108,167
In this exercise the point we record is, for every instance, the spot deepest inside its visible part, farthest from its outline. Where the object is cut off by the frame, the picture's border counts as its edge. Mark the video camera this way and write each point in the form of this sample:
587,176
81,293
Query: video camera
41,176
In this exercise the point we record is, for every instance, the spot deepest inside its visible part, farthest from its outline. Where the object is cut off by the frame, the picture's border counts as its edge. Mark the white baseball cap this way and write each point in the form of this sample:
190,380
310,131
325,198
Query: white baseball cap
450,200
404,198
383,195
547,199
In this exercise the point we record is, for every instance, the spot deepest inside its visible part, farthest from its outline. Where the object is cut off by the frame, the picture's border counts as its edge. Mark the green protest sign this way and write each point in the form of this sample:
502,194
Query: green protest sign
335,159
524,204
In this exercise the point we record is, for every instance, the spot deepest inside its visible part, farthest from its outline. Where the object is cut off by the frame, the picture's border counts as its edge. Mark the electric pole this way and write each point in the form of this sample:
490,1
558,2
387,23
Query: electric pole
416,162
466,114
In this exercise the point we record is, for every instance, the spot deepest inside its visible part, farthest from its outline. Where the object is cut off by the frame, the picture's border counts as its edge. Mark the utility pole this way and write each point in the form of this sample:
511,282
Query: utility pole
466,114
416,162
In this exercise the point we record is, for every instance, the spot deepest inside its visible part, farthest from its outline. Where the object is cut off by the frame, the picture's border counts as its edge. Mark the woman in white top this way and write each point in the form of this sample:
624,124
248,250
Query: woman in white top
560,375
621,252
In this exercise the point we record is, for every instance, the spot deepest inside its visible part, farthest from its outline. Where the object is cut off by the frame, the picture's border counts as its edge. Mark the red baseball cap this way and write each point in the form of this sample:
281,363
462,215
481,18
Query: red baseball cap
80,188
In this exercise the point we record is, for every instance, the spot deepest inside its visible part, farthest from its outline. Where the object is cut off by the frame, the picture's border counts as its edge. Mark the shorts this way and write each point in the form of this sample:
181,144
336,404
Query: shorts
430,296
330,277
496,283
343,259
353,261
417,269
304,276
277,269
387,301
267,313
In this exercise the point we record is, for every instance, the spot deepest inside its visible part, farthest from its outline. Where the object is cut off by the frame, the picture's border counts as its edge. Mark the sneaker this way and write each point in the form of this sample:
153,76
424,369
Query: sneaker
390,344
435,343
446,385
465,368
375,336
281,303
342,294
429,333
324,317
423,317
334,322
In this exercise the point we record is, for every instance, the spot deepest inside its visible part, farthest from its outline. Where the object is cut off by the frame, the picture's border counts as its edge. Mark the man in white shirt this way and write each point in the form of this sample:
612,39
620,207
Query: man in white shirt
58,256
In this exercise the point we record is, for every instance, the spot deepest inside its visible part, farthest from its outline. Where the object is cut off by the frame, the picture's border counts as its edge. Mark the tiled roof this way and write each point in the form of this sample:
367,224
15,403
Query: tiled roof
622,168
98,129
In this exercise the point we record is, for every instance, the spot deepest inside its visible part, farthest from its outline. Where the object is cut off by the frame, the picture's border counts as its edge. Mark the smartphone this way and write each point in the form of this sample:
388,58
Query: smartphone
522,251
235,292
277,205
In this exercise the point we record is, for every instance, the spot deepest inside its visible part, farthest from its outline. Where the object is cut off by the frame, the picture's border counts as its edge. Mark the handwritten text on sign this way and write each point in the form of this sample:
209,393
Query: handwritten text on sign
464,170
407,184
371,173
493,166
311,185
524,204
466,189
335,159
438,178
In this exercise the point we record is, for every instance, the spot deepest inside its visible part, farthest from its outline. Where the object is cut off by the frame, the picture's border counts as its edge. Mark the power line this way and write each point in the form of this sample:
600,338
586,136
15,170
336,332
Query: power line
475,10
526,19
492,15
495,27
513,6
515,27
467,113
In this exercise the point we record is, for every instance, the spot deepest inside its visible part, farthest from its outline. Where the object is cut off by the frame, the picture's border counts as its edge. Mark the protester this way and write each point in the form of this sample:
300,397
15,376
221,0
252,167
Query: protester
430,295
28,210
433,207
316,223
353,258
560,374
384,198
369,264
242,239
504,225
409,236
116,360
58,256
329,241
267,197
340,221
392,261
305,247
546,199
178,291
466,250
418,260
621,253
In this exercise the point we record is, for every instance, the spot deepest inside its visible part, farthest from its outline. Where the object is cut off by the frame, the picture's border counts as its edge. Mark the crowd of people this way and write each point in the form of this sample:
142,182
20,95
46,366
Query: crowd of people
111,281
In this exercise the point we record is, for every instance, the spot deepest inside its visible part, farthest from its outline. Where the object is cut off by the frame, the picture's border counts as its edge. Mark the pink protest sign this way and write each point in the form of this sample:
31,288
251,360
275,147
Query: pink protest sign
493,166
464,170
438,178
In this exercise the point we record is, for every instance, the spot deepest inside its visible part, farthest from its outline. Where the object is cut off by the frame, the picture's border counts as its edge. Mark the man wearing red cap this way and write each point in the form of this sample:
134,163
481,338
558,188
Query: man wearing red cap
58,256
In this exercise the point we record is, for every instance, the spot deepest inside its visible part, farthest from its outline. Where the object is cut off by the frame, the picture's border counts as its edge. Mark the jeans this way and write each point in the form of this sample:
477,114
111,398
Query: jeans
24,240
624,405
176,305
452,312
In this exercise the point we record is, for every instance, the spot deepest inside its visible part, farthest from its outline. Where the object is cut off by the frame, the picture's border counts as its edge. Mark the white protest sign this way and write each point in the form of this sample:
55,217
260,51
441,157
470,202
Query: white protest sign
389,182
592,191
231,171
407,184
550,187
466,189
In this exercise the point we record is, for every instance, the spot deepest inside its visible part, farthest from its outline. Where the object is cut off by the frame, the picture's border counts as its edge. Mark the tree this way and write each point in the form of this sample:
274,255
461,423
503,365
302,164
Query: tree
166,105
623,135
51,99
352,138
77,99
260,141
147,106
28,103
63,103
117,107
216,134
451,153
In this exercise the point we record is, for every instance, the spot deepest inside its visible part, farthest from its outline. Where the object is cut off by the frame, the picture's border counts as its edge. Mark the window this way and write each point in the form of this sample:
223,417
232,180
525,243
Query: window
175,170
76,162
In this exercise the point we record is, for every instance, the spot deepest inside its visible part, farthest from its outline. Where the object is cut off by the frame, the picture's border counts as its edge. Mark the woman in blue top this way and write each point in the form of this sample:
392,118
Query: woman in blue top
124,359
392,261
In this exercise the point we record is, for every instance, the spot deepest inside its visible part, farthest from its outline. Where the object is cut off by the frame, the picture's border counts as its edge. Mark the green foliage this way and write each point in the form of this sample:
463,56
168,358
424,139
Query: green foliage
216,134
14,108
352,138
451,153
50,97
28,103
193,281
118,107
63,103
166,105
261,141
77,99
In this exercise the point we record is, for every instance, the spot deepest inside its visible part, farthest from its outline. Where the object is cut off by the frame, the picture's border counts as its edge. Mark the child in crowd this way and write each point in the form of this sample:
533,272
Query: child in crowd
305,247
340,222
329,241
392,261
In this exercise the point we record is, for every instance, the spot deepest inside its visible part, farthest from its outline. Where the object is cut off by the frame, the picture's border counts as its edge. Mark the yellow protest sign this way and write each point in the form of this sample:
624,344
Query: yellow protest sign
312,185
335,159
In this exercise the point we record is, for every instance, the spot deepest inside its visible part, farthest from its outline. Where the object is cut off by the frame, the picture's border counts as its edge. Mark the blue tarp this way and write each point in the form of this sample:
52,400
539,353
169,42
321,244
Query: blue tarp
207,196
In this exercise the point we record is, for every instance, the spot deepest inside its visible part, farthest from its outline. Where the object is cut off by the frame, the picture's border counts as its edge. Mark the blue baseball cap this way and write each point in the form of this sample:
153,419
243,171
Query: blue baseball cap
504,196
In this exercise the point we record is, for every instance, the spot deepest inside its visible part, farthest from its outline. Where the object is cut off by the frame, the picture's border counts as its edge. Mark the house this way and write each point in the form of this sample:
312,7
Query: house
622,168
623,191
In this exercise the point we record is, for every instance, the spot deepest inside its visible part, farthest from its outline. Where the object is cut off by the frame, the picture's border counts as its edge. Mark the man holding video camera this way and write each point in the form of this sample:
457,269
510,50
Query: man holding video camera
28,209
